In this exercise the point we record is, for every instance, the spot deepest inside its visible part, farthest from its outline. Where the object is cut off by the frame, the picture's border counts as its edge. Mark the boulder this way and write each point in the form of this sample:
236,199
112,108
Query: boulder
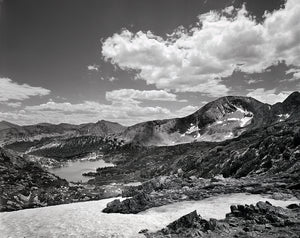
137,203
186,221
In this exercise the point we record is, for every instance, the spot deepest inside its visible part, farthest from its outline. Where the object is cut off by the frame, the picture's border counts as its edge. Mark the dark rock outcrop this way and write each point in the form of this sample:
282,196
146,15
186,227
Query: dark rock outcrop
261,220
134,205
24,184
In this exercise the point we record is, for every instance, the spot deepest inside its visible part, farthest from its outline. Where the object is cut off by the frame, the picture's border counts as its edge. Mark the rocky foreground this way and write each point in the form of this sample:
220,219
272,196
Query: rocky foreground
260,220
169,189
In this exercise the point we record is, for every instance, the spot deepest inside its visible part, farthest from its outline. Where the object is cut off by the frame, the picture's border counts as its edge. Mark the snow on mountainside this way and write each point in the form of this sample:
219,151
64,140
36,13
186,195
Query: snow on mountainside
219,120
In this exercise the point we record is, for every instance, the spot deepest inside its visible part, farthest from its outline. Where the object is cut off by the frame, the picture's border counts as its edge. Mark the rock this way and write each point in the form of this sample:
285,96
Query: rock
294,186
293,206
260,220
137,203
186,221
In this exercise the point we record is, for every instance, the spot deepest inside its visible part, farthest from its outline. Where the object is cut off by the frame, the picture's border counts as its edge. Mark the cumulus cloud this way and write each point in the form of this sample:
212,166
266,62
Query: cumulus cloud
112,78
187,110
195,60
135,96
10,90
295,74
12,104
125,113
93,67
268,96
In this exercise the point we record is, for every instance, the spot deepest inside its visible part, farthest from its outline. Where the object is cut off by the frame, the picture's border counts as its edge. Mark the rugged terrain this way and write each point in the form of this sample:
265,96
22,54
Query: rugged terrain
260,220
24,184
10,133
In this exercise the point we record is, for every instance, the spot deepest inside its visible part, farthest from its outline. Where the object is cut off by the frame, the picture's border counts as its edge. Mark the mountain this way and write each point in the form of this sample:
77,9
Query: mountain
101,128
11,134
225,118
35,132
7,125
67,148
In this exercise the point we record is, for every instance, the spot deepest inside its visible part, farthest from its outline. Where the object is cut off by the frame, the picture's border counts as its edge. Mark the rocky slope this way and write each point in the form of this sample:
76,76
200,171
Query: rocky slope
264,160
260,220
24,184
61,148
263,151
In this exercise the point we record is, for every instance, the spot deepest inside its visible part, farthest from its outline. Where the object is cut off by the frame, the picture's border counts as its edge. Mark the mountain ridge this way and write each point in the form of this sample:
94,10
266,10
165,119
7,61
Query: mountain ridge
224,118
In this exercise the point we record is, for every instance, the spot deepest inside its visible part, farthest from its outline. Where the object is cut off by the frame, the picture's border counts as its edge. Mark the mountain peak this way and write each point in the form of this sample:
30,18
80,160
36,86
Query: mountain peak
293,97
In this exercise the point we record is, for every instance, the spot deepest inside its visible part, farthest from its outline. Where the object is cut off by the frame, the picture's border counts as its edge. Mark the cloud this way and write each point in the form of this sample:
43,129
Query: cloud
112,78
195,60
187,110
12,104
295,75
135,96
268,96
10,90
88,111
93,67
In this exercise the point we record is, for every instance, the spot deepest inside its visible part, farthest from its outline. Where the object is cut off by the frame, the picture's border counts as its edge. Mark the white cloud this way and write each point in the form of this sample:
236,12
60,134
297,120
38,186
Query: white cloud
268,96
10,90
134,96
112,78
195,59
88,111
295,75
93,67
185,111
12,104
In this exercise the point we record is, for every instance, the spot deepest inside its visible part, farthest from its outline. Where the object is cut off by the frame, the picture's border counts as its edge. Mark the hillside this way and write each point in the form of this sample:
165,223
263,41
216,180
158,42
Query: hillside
7,125
11,134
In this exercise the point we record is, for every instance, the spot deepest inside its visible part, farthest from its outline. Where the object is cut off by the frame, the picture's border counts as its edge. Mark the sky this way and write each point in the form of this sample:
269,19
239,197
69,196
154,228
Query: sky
128,61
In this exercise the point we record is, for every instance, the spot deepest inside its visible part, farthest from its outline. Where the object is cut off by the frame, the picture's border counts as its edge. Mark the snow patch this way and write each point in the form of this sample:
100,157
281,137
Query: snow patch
283,117
245,121
85,219
192,129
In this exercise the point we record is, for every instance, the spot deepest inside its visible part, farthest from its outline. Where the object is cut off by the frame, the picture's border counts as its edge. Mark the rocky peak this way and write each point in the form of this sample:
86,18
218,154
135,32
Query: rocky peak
292,101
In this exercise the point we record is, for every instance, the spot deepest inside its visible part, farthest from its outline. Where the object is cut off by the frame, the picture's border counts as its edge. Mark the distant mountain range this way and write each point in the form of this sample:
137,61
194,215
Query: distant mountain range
225,118
10,133
7,125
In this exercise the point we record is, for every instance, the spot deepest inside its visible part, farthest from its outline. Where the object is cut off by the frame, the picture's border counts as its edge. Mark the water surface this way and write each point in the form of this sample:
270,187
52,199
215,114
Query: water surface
73,170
